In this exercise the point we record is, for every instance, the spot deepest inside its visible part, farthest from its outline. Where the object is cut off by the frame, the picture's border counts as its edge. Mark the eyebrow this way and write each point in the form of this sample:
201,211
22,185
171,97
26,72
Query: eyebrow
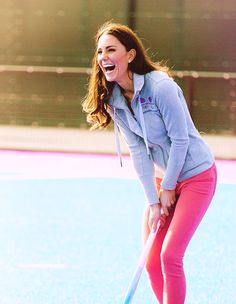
109,46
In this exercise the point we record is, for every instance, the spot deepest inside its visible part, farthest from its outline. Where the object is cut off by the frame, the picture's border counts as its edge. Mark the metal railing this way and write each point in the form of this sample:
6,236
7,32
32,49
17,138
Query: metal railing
83,70
189,77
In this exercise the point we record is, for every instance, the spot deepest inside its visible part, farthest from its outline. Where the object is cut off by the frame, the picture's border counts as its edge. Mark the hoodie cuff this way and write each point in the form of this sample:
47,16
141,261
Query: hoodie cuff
168,185
150,190
150,204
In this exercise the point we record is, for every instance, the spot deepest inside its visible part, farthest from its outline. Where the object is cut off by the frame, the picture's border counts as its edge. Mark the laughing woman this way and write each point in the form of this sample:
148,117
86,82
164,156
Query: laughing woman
150,110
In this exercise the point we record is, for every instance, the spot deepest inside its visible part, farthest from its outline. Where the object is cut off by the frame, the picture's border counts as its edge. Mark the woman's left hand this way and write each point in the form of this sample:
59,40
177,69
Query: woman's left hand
167,199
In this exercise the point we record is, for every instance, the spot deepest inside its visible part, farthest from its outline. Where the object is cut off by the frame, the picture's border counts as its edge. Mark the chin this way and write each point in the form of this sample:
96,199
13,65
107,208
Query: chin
110,79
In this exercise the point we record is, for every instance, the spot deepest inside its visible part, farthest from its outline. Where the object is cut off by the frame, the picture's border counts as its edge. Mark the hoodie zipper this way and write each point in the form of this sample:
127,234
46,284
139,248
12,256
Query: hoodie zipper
142,125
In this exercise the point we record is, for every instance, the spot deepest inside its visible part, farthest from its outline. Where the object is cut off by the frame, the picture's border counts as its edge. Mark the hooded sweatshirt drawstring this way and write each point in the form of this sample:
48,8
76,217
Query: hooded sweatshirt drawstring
143,127
117,138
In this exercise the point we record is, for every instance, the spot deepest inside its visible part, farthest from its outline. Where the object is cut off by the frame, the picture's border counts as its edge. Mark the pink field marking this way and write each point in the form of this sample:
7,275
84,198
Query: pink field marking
16,165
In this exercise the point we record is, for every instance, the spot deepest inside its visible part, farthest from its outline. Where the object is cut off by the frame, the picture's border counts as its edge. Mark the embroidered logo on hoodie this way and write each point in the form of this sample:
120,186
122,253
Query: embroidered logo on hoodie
148,104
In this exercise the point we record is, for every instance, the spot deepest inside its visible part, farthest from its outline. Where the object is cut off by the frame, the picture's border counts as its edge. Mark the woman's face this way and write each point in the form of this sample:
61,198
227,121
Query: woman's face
113,58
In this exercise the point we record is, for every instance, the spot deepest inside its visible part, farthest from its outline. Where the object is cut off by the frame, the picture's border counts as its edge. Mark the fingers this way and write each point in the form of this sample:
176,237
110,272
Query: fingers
167,206
150,223
167,198
162,220
170,203
165,210
153,224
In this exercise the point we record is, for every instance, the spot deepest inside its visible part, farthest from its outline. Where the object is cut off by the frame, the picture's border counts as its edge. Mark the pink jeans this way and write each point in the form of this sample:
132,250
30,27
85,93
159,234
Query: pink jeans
165,262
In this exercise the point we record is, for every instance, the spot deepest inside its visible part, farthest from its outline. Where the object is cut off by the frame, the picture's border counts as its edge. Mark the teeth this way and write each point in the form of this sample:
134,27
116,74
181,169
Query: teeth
109,67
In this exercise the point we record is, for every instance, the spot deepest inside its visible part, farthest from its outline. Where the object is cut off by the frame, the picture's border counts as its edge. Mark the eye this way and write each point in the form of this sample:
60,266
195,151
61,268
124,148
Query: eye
111,50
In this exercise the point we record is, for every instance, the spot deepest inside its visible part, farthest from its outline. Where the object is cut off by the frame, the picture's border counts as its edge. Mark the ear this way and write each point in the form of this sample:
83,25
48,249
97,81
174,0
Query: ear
132,54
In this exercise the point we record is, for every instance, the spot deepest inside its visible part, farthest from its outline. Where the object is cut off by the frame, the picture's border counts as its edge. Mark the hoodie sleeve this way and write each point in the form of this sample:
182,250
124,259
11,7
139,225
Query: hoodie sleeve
143,165
173,115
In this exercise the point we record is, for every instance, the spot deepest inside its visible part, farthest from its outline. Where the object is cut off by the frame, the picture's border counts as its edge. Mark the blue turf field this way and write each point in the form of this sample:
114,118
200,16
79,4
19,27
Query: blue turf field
77,241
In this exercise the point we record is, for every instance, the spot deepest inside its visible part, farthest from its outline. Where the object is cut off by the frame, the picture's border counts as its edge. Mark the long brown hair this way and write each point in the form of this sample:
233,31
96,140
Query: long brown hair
99,89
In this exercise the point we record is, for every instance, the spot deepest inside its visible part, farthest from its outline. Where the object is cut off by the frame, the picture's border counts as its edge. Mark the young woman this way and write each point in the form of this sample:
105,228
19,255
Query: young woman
173,163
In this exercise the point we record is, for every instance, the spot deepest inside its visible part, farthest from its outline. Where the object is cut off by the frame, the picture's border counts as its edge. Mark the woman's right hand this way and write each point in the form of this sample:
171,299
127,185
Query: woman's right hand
154,216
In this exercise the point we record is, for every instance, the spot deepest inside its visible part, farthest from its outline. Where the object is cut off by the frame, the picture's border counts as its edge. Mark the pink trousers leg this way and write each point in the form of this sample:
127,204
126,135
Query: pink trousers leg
165,263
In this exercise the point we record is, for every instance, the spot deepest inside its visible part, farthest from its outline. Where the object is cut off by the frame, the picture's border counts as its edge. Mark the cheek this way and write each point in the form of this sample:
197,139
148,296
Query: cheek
122,62
99,61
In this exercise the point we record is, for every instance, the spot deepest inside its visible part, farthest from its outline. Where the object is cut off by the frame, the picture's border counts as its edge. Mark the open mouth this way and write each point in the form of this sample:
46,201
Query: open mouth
109,68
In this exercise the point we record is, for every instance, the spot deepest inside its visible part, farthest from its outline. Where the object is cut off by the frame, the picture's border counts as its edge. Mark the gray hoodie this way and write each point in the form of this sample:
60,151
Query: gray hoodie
160,133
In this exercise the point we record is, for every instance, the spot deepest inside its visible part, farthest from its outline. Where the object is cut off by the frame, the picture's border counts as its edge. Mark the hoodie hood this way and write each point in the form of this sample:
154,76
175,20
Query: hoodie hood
117,100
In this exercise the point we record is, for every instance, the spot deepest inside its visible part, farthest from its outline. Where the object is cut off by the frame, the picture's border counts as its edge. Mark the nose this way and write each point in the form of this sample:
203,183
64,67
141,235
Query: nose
104,55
